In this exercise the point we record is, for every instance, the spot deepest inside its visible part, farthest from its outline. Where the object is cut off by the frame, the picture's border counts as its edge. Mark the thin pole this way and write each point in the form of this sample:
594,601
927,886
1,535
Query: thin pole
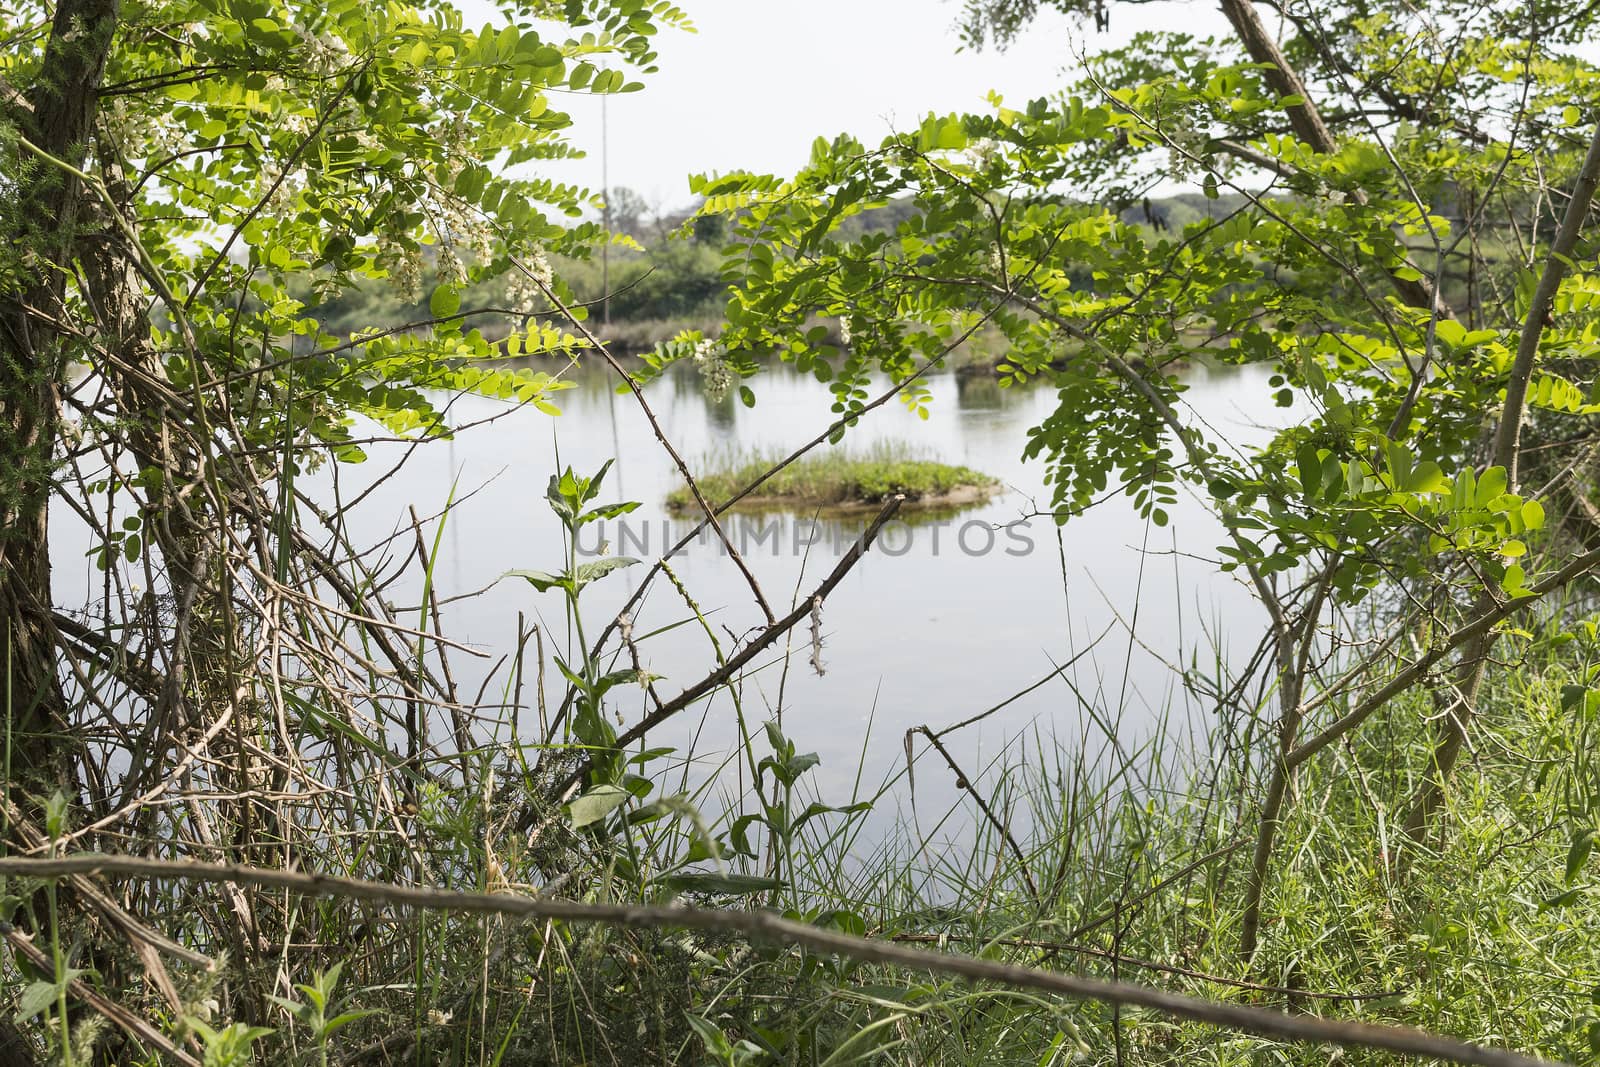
605,209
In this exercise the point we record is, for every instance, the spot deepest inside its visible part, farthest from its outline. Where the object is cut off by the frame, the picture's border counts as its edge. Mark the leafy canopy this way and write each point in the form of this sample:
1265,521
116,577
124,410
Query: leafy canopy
1320,260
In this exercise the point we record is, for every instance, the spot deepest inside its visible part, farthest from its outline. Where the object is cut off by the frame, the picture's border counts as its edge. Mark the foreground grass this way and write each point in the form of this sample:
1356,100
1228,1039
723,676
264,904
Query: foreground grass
1481,937
838,480
1131,866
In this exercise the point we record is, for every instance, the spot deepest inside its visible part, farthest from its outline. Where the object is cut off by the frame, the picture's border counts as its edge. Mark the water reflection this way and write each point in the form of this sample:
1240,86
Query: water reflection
980,390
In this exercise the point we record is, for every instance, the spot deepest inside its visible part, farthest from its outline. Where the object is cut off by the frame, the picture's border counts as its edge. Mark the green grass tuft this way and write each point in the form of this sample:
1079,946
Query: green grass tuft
837,479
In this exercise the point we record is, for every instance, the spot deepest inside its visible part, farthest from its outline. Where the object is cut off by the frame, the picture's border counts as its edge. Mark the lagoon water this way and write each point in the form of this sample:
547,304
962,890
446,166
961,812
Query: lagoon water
946,618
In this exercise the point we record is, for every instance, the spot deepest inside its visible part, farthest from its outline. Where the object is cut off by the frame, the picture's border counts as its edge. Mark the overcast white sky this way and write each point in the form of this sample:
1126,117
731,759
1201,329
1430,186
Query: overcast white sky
763,78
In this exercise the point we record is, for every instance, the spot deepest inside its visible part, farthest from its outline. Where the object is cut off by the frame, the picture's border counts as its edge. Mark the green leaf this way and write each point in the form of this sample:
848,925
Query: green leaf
607,511
591,487
1427,477
1491,484
589,572
1560,900
562,494
729,884
35,999
346,1018
1513,580
846,922
596,804
55,813
1578,853
718,1047
816,808
1308,462
445,301
540,580
1449,331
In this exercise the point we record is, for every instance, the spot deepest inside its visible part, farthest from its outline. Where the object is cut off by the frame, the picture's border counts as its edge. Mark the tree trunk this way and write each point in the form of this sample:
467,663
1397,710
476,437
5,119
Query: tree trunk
55,114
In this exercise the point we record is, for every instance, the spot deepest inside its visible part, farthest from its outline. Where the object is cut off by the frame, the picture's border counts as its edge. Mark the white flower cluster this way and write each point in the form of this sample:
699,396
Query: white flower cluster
1186,147
326,287
845,333
455,134
983,151
459,221
365,139
816,636
712,362
404,266
117,122
325,53
277,190
525,288
451,271
464,225
150,137
164,137
298,124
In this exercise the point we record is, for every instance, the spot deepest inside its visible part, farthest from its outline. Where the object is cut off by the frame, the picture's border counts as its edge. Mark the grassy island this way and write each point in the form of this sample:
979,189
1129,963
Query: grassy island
839,481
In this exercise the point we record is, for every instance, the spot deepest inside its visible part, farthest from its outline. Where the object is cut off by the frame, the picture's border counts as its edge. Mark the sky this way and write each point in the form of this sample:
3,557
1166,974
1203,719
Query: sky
762,79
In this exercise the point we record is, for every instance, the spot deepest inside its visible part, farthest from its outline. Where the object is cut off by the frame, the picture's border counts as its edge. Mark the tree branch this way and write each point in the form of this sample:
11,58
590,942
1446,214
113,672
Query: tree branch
765,926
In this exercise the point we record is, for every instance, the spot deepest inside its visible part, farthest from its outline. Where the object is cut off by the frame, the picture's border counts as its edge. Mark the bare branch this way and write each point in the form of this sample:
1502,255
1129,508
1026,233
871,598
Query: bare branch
765,926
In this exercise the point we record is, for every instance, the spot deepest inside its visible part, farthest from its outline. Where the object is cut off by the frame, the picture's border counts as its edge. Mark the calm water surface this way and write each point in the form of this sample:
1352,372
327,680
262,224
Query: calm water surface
944,620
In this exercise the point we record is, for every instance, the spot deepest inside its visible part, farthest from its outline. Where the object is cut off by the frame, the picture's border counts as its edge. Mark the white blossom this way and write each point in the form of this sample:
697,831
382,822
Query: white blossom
404,266
451,271
710,359
325,52
530,278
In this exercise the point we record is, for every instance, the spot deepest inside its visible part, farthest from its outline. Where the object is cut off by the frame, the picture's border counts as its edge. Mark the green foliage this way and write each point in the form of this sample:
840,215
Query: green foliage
318,149
258,172
231,1046
318,1012
1381,477
568,495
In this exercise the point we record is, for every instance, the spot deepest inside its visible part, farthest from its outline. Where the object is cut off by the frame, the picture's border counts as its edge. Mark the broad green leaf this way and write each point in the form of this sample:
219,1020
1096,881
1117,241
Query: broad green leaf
445,301
729,884
540,580
596,804
588,572
36,998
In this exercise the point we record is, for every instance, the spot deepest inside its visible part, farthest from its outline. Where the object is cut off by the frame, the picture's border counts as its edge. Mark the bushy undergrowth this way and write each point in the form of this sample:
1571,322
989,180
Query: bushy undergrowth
1133,870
